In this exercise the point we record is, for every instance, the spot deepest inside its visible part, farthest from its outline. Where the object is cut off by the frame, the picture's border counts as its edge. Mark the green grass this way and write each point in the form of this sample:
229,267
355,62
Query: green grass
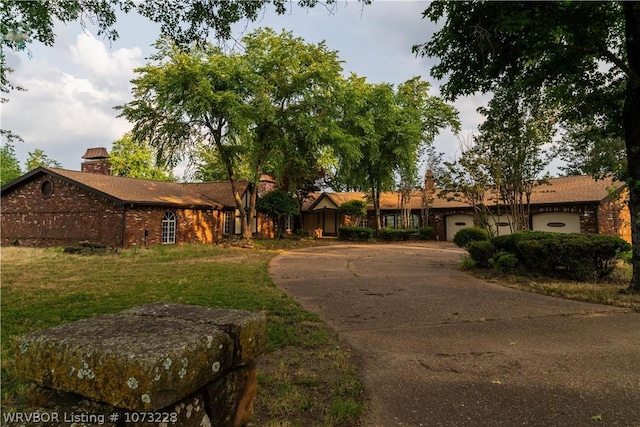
42,288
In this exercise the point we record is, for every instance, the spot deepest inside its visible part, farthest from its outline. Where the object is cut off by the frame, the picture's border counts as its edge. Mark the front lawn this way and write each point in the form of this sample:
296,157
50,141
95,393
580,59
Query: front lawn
307,377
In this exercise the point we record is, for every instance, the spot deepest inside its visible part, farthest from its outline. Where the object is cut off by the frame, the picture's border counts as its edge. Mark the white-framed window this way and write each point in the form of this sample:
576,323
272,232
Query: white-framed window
227,217
288,223
364,222
169,227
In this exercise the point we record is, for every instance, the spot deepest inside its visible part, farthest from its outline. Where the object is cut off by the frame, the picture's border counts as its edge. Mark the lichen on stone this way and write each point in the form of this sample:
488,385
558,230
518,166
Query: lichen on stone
167,363
145,398
132,383
215,367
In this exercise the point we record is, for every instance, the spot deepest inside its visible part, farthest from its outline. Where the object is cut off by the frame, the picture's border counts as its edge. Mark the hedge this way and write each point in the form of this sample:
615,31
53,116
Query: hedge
395,235
563,255
355,233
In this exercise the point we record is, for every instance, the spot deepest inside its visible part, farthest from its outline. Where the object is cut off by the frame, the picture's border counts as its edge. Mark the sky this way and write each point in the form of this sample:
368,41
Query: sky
73,86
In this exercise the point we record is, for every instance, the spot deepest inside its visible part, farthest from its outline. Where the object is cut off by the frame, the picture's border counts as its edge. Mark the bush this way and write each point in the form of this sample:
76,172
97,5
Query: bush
426,233
481,251
571,256
471,234
505,262
355,233
393,235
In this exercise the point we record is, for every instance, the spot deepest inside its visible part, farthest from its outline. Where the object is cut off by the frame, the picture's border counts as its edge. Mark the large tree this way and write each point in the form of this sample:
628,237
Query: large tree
387,129
245,107
136,159
585,56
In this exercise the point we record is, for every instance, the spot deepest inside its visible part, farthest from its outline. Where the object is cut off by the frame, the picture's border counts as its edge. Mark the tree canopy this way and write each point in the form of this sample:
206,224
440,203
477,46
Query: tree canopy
584,56
253,108
9,164
136,160
37,158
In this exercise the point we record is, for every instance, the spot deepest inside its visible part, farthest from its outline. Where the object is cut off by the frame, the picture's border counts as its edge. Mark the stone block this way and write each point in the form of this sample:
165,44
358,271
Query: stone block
248,330
135,362
231,397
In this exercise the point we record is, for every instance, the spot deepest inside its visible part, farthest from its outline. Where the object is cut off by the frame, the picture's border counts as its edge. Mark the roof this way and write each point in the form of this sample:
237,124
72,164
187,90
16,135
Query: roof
219,191
565,190
96,153
123,190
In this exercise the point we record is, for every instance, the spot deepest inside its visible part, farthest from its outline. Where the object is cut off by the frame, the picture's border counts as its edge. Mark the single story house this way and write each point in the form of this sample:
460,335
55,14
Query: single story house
573,204
52,206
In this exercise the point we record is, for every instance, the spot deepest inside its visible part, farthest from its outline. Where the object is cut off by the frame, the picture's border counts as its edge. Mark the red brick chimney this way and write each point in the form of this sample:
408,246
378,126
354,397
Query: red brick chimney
96,160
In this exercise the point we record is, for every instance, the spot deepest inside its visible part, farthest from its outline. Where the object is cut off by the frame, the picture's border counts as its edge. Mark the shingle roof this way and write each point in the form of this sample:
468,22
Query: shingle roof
564,190
125,190
219,191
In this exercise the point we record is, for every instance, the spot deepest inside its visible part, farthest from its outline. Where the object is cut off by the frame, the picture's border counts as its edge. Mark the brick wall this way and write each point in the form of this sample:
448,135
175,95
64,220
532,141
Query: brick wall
614,217
33,217
71,214
144,226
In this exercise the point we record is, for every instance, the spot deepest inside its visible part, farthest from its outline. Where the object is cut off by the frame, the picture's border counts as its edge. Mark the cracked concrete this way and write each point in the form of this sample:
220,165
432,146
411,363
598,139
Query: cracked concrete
438,347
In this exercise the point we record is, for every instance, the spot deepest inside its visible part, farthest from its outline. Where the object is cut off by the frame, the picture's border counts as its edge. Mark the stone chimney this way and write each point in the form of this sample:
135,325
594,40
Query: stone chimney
96,160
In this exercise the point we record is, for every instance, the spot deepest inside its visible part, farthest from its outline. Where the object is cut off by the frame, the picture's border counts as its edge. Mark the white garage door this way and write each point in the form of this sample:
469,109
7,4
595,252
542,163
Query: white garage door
501,225
561,222
456,223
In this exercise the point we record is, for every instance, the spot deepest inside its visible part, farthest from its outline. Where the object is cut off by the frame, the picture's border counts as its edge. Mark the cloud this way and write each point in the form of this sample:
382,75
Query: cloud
71,92
107,68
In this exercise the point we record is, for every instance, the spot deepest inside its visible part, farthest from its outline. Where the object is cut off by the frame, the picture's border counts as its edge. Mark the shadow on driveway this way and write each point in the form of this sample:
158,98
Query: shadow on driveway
441,348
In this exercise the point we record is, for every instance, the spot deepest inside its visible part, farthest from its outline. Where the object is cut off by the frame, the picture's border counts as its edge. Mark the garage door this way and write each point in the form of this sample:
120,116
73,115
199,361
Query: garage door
501,225
562,222
456,223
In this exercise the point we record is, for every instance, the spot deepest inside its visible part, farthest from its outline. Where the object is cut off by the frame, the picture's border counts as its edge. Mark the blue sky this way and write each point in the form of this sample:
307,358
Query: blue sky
73,86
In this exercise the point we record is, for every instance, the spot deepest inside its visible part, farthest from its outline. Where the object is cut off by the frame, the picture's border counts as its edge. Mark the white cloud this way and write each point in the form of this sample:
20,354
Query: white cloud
112,68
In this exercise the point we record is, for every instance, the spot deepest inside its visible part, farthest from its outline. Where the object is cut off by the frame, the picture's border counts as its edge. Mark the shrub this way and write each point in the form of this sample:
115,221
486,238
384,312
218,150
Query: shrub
355,233
572,256
426,233
607,251
505,262
481,251
393,235
471,234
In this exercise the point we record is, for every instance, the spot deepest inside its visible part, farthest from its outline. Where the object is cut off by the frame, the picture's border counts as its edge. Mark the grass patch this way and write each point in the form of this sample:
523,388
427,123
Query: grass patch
42,288
610,292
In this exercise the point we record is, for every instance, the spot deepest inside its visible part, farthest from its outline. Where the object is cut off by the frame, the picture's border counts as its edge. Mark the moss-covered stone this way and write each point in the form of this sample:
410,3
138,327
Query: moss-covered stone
130,361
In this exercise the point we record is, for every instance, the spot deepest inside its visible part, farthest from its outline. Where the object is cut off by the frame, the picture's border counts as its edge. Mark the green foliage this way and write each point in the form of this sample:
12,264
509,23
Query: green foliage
386,129
577,55
394,235
136,159
571,256
256,110
355,233
481,251
466,235
355,209
426,233
278,204
505,262
9,164
38,158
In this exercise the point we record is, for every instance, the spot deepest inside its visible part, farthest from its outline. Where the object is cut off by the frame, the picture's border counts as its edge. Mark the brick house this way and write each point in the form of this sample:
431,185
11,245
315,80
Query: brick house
578,204
51,207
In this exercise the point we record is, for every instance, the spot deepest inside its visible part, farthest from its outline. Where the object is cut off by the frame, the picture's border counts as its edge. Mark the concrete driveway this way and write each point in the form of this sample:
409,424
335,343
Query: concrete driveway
438,347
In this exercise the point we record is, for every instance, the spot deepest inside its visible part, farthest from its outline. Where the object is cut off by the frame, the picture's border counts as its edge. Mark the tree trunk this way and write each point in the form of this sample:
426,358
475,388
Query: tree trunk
631,124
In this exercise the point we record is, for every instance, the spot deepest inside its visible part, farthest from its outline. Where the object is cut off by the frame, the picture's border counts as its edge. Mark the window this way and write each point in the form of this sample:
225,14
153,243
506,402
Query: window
46,188
364,222
168,227
389,221
226,223
414,222
288,223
